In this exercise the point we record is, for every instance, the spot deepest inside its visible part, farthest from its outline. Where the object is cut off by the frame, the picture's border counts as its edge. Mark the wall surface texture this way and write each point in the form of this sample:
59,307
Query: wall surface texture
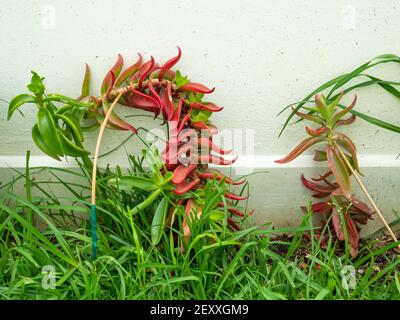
260,55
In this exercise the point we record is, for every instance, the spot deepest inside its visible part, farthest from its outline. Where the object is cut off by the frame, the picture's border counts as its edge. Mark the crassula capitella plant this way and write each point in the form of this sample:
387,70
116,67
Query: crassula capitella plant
179,103
341,211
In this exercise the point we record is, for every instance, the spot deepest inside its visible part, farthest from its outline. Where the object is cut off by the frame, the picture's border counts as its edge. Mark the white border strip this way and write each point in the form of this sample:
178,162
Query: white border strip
250,162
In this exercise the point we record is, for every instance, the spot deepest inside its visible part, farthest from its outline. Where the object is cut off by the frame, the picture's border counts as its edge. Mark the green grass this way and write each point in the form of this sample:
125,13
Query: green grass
216,264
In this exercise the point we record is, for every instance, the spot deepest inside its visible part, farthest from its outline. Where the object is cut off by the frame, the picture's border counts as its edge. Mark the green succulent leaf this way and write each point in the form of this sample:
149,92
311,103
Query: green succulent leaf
143,205
70,148
180,80
339,170
200,115
37,138
158,223
167,178
48,131
153,159
85,84
36,86
131,182
72,123
18,101
195,97
321,105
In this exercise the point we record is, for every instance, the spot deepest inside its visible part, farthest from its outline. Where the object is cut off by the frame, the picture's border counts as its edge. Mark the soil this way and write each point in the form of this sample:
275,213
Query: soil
379,241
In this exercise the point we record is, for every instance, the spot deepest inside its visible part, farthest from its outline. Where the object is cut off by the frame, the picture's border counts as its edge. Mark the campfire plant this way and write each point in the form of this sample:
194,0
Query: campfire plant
180,174
342,212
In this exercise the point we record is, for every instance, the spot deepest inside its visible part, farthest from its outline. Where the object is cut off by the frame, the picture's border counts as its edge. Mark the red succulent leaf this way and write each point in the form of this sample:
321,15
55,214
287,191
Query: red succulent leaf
316,132
340,114
208,106
154,94
236,212
353,236
184,121
211,129
361,206
337,224
308,116
186,187
177,113
318,207
99,116
128,72
321,207
315,186
320,195
172,157
142,101
233,224
232,196
182,172
200,125
187,135
346,142
108,83
339,170
171,166
347,121
323,177
218,177
303,146
169,64
167,103
187,147
144,70
115,70
117,121
222,204
196,87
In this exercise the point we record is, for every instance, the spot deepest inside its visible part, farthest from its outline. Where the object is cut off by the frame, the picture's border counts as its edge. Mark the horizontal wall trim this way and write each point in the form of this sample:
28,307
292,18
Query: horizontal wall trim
245,161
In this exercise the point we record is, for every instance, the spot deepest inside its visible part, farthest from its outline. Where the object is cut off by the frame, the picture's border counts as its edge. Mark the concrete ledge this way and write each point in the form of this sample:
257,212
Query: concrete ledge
276,192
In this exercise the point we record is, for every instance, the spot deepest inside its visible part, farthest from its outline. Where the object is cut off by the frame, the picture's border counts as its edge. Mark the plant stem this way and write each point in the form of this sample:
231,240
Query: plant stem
367,194
134,86
98,143
93,219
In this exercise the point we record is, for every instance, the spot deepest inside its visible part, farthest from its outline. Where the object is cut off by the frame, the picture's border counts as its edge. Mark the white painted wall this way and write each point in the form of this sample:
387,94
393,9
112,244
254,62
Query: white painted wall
260,55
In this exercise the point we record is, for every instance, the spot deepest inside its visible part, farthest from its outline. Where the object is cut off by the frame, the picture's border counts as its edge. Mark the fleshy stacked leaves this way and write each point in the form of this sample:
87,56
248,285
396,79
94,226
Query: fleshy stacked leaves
57,131
342,211
154,88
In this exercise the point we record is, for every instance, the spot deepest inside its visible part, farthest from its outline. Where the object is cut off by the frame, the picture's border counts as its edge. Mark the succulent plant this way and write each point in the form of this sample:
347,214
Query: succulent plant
152,87
342,211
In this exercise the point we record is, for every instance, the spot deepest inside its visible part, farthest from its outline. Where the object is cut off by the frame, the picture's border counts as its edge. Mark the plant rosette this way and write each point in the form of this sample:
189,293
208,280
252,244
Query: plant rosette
342,212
